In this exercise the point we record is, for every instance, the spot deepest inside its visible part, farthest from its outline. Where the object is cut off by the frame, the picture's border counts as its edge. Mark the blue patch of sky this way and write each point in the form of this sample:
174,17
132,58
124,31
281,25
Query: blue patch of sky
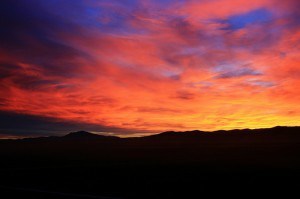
254,17
113,21
88,14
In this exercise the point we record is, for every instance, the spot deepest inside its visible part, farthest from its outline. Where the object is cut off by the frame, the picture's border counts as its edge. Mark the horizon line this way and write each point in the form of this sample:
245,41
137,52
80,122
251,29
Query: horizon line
109,134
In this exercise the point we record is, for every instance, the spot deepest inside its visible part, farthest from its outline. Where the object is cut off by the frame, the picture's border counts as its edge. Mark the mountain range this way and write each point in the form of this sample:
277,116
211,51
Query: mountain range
166,165
194,134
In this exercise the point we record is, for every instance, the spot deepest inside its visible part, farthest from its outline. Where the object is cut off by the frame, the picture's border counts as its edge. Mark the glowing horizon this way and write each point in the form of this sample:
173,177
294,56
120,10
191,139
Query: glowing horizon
152,66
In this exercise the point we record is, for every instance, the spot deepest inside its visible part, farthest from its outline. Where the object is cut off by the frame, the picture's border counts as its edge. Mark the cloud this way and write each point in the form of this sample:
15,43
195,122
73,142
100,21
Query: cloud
239,72
261,83
147,65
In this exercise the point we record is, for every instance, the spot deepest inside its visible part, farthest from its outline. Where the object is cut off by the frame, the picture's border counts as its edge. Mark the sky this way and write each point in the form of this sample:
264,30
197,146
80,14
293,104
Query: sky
136,67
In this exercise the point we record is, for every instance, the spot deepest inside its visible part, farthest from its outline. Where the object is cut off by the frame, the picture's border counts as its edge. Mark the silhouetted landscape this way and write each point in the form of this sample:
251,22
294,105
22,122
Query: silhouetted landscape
82,80
166,165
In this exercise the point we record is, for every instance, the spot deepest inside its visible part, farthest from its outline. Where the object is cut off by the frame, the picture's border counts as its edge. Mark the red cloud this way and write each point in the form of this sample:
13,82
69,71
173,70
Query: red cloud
162,75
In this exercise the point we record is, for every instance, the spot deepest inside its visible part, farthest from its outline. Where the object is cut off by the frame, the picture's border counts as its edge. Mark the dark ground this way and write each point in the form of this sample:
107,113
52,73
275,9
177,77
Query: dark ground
186,165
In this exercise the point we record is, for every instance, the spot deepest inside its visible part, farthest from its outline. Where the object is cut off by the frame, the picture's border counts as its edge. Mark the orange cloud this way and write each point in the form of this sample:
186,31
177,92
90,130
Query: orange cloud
180,69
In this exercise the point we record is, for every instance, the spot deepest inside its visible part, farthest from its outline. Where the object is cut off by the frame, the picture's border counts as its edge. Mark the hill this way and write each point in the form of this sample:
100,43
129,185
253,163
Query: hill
166,165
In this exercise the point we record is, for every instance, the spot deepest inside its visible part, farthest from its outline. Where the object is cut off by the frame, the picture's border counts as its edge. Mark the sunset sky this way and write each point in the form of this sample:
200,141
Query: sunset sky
134,67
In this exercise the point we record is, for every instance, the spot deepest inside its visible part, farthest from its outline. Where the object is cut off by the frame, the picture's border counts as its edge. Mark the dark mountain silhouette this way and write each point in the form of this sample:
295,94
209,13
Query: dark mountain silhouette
166,165
275,132
80,134
277,129
88,135
266,134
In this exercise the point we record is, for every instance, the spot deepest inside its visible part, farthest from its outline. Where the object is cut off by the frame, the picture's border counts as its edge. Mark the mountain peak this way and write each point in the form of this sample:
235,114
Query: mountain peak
79,134
87,135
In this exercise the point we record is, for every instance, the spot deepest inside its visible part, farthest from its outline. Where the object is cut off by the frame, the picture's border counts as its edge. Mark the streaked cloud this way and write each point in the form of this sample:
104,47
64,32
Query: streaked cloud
151,65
